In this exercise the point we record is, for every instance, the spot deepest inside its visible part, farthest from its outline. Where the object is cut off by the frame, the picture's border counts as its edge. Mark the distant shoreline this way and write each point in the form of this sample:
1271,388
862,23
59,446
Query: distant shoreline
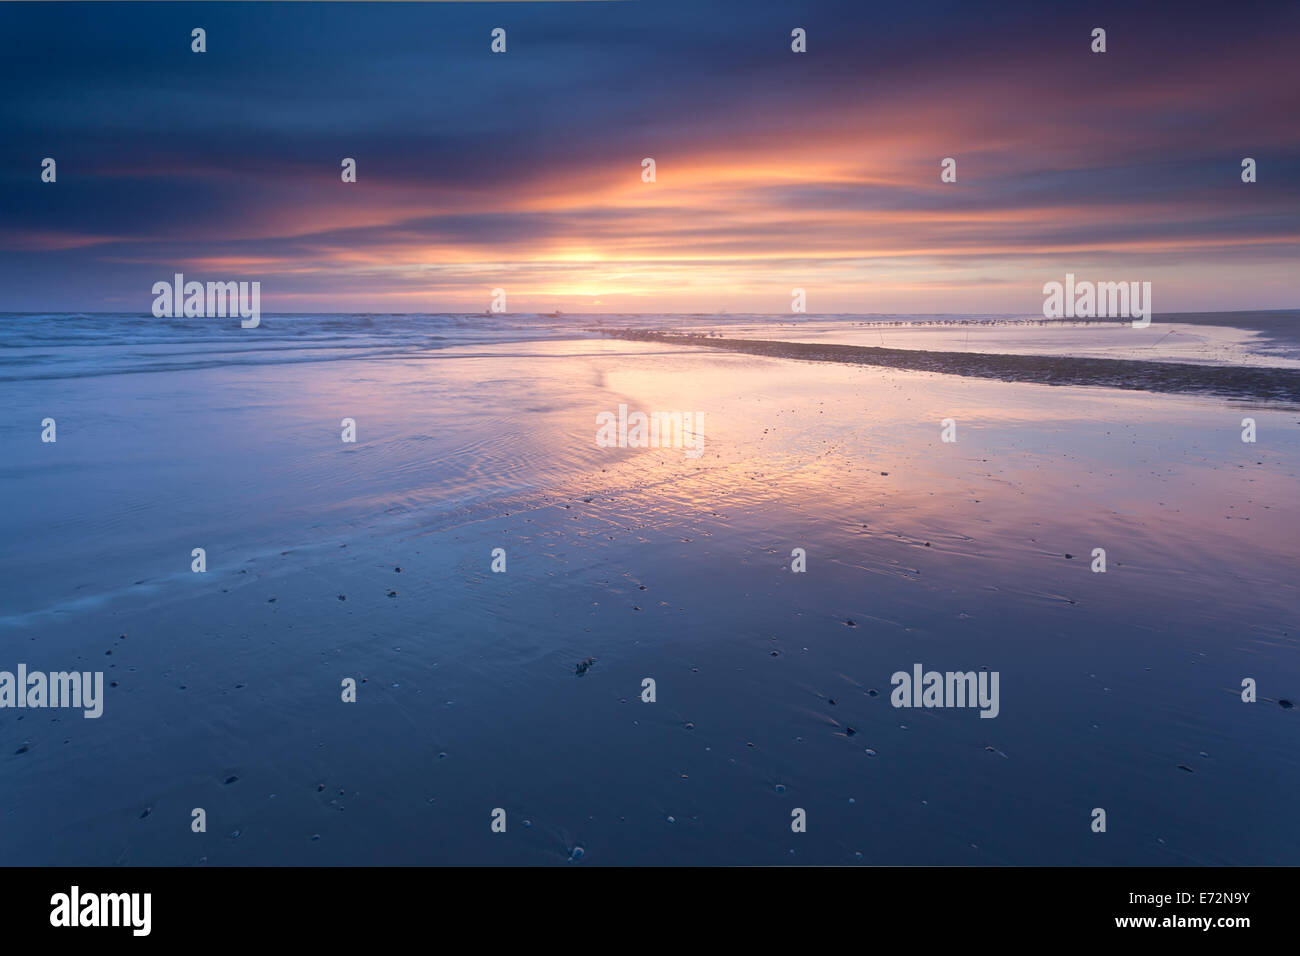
1230,381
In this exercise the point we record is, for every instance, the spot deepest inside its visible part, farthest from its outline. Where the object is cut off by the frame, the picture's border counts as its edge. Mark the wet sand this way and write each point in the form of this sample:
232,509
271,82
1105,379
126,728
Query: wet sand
951,555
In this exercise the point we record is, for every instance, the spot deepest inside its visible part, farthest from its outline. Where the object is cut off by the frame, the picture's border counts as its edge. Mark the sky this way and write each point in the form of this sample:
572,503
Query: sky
774,170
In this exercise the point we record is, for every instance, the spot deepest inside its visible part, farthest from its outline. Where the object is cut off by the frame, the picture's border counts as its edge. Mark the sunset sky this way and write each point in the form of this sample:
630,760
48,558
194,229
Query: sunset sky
774,170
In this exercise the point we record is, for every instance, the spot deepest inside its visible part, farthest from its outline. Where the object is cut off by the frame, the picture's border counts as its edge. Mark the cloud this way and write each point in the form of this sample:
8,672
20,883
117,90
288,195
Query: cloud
523,170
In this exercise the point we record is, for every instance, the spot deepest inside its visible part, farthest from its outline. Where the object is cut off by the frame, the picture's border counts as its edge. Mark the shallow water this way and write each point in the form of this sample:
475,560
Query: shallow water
951,555
1251,339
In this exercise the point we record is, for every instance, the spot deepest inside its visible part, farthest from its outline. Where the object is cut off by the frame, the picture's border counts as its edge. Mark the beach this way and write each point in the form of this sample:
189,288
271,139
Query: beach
1119,690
